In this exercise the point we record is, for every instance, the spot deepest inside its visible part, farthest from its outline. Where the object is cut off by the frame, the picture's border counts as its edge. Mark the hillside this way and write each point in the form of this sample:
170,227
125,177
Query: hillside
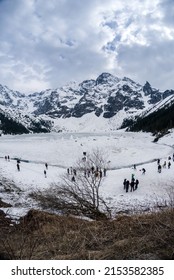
159,120
46,237
15,122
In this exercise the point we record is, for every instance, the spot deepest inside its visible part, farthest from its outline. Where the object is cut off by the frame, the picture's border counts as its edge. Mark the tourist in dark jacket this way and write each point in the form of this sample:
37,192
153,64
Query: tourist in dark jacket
127,185
159,168
124,184
136,184
132,185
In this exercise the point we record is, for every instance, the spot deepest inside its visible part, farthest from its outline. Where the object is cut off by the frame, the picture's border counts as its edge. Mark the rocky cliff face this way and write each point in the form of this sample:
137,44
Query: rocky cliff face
105,97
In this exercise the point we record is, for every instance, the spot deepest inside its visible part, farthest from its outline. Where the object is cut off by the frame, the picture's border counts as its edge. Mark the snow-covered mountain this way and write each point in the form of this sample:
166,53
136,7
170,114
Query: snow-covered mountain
107,100
15,122
13,115
105,96
159,119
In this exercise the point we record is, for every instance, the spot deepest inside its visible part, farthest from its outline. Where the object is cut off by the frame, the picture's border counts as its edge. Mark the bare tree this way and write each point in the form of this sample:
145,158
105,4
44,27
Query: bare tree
79,193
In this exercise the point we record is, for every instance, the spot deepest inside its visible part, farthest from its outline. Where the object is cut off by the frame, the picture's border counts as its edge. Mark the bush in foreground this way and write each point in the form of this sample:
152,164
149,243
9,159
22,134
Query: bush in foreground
79,192
41,235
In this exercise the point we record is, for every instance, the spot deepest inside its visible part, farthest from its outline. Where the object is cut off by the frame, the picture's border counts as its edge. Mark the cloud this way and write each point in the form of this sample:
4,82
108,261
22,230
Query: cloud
45,44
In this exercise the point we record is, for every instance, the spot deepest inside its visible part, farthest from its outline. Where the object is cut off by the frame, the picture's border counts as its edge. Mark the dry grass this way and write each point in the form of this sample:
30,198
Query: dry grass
41,235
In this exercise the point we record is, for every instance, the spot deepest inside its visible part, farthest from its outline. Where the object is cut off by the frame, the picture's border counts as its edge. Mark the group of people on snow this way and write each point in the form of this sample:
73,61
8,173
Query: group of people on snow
93,171
7,158
133,184
45,170
73,172
143,169
18,161
165,164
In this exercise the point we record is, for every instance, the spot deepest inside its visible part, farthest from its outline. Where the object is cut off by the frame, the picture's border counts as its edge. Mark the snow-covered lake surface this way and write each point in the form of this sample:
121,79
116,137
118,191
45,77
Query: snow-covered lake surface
61,150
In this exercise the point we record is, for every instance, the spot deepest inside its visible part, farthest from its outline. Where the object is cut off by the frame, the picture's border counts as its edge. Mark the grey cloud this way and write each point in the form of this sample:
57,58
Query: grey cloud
167,10
53,42
153,64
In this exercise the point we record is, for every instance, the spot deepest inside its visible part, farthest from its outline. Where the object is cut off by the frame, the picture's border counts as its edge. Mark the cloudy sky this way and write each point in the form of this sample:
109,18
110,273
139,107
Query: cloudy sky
46,44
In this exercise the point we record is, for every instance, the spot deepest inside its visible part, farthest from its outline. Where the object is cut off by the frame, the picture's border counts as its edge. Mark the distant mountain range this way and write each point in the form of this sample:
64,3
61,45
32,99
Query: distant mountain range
109,100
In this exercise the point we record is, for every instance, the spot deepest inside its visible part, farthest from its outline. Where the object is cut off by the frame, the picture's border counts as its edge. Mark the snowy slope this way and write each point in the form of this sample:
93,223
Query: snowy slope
122,150
163,103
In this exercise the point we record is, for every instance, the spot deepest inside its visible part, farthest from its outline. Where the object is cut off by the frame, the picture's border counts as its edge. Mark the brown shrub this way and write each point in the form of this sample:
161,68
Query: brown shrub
41,235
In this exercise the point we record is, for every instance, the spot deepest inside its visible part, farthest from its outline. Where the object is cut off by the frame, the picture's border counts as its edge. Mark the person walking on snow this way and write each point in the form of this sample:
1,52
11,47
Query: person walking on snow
164,164
169,164
46,165
143,171
159,168
124,184
73,179
74,172
127,185
132,185
18,166
136,184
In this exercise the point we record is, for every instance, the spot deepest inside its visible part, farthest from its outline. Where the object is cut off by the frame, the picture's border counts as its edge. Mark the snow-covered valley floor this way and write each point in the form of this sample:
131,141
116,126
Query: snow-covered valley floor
61,150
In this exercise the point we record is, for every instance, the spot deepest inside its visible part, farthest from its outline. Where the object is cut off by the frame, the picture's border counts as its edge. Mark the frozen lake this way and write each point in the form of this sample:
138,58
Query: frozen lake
62,149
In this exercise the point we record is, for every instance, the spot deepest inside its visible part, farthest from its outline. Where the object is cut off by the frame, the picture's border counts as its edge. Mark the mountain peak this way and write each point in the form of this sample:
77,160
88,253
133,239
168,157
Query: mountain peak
147,88
106,78
105,97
